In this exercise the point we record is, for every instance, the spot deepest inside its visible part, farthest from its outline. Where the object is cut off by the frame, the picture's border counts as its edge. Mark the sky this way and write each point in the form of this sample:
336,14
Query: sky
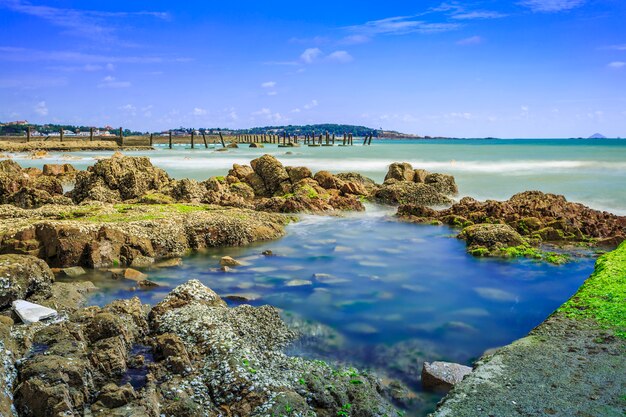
525,68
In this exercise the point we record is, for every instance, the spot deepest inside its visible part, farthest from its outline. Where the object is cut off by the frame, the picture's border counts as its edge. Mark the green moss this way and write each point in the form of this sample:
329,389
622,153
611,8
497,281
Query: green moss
603,295
525,251
481,251
130,212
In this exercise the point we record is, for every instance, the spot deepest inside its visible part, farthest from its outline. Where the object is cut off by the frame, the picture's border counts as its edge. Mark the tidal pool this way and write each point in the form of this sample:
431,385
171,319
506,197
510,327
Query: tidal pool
379,294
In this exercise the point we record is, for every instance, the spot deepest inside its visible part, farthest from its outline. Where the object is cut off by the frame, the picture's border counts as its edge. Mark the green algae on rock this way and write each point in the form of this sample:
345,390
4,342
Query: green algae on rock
603,296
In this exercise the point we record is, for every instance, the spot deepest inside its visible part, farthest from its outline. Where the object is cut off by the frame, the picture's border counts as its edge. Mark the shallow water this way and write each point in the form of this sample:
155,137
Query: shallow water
392,291
587,171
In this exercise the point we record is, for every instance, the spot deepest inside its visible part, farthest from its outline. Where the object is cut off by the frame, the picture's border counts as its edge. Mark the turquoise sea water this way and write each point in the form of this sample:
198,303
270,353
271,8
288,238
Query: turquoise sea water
588,171
384,294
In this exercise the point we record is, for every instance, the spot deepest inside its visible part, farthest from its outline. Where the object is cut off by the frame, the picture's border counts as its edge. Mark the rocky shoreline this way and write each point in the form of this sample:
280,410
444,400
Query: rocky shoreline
190,355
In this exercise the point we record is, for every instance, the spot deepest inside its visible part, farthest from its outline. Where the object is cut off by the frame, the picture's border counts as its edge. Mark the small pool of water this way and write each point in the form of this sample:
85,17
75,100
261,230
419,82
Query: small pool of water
385,294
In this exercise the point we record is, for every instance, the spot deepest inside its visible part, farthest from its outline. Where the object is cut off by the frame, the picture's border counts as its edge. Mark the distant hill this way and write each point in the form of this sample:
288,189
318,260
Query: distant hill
597,136
337,129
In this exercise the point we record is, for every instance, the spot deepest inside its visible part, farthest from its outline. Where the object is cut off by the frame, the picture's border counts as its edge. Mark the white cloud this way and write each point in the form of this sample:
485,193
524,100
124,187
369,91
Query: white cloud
311,105
41,108
296,110
111,82
548,6
93,24
272,93
400,25
233,115
269,84
197,111
621,47
310,55
342,57
617,64
478,15
147,111
472,40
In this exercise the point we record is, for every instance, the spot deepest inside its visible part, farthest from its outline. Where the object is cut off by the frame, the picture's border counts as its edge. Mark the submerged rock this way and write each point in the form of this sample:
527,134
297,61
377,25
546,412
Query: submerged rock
490,238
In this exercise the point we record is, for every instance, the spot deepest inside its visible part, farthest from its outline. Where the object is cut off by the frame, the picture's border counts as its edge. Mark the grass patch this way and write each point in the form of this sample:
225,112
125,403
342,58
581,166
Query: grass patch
603,295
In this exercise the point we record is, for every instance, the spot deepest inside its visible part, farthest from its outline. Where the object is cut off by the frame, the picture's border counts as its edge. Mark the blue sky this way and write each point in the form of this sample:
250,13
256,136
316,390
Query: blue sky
526,68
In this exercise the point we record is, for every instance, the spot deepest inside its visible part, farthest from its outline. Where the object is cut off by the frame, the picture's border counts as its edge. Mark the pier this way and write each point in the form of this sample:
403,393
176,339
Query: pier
195,139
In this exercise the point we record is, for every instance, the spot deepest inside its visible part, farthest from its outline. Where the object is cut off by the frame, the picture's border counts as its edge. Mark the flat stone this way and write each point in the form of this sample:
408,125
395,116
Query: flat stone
142,261
31,312
228,261
442,376
74,271
146,283
299,283
169,263
134,275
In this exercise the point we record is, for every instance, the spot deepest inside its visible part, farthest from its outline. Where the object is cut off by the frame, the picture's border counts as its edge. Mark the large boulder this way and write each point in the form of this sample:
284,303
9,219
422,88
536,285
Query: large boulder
272,173
22,276
328,181
131,177
356,178
401,171
488,238
443,183
404,192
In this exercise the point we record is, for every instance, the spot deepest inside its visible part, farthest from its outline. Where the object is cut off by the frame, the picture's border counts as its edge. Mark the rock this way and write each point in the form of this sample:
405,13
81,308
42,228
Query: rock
113,396
59,170
396,192
484,239
354,188
296,174
228,261
135,231
141,261
442,183
442,376
187,190
401,171
232,145
240,172
130,177
328,181
23,276
31,312
134,275
74,271
271,172
191,292
354,177
267,253
256,145
243,190
169,263
530,212
420,175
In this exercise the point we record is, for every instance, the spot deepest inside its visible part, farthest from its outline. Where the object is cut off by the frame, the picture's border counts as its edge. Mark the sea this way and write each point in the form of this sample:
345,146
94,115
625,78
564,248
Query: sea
378,294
